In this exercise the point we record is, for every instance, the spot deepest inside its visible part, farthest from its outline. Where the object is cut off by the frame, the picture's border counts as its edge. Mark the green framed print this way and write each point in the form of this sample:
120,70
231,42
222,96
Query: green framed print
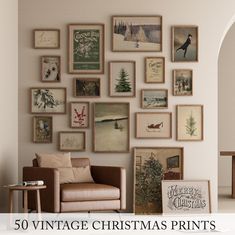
137,33
86,48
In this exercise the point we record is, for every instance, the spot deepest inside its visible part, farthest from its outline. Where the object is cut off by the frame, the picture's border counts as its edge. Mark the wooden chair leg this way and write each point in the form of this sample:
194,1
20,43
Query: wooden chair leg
25,195
10,201
38,202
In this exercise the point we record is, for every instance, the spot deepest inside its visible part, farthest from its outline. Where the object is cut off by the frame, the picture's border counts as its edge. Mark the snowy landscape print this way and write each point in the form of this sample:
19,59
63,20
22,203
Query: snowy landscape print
111,127
137,33
152,99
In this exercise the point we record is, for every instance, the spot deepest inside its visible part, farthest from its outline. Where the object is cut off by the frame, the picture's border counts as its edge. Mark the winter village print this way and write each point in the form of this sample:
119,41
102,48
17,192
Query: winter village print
137,33
150,168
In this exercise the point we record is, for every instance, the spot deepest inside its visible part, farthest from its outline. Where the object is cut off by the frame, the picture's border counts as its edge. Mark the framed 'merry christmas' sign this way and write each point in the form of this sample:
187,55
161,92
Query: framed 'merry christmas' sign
122,78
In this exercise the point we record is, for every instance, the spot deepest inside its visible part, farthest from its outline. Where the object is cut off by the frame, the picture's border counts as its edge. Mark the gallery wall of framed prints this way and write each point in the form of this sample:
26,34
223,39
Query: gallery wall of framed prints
111,108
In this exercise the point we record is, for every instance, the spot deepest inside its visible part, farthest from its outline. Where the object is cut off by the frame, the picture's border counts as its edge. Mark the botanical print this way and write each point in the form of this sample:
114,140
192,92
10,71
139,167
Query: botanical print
48,100
122,78
185,43
50,66
150,168
46,38
87,87
183,196
72,141
154,98
153,125
79,114
182,82
189,122
154,69
137,33
111,127
42,129
86,48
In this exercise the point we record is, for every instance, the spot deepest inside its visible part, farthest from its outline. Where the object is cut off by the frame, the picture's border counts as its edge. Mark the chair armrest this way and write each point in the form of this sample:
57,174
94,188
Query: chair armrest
50,197
110,175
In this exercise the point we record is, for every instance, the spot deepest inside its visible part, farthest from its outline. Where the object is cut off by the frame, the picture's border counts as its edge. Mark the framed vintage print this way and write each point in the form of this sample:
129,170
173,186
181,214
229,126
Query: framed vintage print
79,114
48,100
122,81
72,141
86,48
154,125
185,43
42,129
137,33
150,168
87,87
154,98
46,38
189,122
186,196
182,82
50,69
155,69
111,124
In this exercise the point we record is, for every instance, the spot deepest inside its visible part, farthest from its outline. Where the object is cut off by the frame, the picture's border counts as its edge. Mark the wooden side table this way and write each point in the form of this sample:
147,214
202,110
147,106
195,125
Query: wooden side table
25,190
231,153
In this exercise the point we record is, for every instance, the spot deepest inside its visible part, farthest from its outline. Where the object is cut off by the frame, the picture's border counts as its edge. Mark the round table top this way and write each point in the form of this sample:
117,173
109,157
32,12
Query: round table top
29,188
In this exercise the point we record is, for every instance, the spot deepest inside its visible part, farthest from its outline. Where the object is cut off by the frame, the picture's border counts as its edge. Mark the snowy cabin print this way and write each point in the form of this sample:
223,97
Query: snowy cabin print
122,78
137,33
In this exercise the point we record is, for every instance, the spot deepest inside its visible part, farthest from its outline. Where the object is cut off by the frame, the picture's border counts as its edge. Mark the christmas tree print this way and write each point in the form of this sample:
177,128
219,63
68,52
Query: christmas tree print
191,126
123,84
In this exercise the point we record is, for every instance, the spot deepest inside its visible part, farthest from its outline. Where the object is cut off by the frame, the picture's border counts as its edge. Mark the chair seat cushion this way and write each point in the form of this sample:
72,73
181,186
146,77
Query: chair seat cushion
88,192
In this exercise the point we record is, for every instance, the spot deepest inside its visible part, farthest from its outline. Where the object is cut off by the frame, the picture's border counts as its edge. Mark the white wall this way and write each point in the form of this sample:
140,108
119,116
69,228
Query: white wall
213,18
8,97
226,105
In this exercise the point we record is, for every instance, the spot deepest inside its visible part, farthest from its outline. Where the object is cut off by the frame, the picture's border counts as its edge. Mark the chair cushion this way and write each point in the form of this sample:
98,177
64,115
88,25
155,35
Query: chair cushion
75,175
88,192
54,160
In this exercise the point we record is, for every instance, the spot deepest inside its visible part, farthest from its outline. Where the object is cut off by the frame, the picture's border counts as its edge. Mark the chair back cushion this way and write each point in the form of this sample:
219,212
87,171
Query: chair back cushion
80,162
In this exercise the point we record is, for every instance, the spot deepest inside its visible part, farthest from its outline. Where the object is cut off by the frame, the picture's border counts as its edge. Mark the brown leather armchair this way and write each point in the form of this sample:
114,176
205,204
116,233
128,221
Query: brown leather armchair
107,193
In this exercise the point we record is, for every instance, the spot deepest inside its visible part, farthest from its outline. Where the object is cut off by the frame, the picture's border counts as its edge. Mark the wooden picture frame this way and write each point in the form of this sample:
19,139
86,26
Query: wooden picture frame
153,125
122,78
189,122
186,197
86,48
182,83
111,124
87,87
150,168
50,68
136,33
155,69
79,114
73,141
46,38
48,100
154,98
42,129
184,43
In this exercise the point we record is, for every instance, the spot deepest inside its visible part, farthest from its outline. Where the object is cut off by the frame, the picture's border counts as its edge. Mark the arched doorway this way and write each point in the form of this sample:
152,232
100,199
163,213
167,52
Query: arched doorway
226,84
